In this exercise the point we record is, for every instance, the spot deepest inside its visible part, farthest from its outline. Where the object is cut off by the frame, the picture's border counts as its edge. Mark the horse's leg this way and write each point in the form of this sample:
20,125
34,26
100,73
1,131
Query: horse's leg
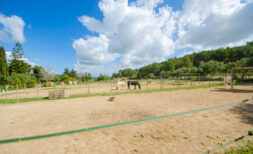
128,86
134,86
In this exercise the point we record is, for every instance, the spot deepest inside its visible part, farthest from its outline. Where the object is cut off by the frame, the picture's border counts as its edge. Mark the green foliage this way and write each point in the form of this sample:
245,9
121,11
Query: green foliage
57,78
17,51
17,82
73,74
17,65
205,62
103,77
66,71
3,67
69,79
22,80
31,83
37,72
250,61
64,77
187,62
248,149
88,76
69,75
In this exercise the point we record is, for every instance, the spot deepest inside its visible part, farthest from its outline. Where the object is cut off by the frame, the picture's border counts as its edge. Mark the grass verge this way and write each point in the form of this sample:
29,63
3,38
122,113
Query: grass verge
248,149
12,101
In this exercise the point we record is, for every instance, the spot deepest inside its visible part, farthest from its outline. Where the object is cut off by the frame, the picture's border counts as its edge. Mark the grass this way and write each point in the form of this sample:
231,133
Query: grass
12,101
248,149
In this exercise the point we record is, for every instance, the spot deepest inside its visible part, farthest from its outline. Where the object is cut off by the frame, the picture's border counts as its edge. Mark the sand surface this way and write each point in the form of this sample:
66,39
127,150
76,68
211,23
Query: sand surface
193,133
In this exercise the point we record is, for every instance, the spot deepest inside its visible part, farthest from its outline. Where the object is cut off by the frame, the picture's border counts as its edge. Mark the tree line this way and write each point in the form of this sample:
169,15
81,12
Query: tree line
204,63
17,72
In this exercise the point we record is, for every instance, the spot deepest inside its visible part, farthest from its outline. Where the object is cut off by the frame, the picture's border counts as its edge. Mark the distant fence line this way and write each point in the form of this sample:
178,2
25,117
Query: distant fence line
110,86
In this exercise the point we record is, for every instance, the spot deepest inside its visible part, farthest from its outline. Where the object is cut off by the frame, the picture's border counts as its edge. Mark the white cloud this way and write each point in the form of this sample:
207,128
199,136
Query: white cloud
136,33
143,32
92,52
9,58
12,29
215,24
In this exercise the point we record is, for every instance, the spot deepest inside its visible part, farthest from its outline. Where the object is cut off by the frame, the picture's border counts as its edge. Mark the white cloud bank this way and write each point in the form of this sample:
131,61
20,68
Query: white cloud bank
11,29
140,33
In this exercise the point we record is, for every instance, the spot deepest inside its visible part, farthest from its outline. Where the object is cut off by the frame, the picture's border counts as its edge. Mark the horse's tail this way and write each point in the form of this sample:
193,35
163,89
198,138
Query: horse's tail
128,84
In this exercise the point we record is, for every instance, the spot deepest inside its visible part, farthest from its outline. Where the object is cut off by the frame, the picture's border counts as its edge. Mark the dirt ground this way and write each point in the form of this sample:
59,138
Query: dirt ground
192,133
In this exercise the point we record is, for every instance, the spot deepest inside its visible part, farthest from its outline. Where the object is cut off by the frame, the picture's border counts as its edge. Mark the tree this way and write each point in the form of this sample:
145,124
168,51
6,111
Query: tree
57,78
64,77
17,51
100,77
89,77
250,61
164,74
46,75
73,74
187,61
37,72
17,64
66,71
3,66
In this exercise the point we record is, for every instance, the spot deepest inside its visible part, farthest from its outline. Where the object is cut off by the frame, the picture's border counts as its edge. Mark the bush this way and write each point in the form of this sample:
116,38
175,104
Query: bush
17,82
22,80
31,84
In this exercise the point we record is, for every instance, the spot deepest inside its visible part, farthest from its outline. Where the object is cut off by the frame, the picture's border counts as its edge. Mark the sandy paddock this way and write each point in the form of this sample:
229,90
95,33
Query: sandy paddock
99,88
193,133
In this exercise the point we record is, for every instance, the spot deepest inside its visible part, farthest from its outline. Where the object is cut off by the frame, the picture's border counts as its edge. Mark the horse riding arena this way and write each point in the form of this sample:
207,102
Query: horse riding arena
189,133
107,87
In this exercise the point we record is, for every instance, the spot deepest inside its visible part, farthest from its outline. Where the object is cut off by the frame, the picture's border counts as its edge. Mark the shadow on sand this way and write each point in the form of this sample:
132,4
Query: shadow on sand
245,112
241,90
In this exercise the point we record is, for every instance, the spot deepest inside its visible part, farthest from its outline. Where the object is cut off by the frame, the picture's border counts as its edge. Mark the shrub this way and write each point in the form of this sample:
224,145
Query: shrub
17,82
22,80
31,84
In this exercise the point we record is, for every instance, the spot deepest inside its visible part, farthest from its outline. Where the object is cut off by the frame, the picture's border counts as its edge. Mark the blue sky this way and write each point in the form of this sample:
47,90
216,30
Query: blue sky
54,25
61,34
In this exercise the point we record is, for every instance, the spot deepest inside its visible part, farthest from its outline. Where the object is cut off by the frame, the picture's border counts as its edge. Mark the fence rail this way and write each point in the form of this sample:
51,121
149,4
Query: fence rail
109,86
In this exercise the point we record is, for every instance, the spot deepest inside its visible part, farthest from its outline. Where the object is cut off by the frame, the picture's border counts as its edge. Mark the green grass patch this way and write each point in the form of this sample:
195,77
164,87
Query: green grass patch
248,149
12,101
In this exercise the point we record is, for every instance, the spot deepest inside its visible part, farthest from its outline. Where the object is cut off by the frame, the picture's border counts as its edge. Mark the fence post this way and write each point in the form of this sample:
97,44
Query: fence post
37,90
191,80
17,93
199,79
160,83
209,82
6,92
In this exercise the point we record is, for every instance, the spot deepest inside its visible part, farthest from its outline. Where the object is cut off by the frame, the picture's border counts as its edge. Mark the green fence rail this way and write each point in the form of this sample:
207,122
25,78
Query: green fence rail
116,124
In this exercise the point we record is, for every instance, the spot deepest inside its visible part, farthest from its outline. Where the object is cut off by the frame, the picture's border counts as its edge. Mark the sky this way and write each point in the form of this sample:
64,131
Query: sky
104,36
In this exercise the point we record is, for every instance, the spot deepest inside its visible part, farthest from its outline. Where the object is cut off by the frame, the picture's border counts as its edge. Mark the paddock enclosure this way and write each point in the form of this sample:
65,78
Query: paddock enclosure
191,133
100,87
